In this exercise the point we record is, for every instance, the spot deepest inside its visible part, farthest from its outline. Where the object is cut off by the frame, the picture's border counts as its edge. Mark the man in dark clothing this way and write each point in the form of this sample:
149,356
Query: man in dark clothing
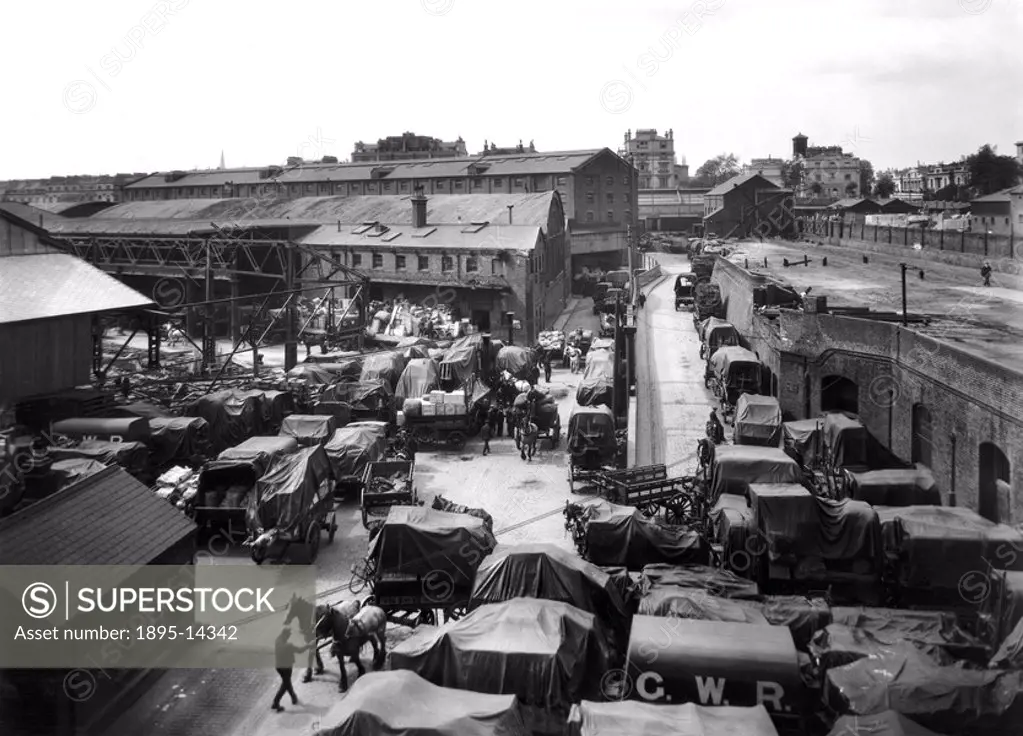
715,428
495,419
529,438
985,271
485,433
285,653
547,366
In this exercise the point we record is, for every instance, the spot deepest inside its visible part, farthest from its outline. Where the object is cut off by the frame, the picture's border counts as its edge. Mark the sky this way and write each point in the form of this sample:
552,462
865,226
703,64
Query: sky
141,86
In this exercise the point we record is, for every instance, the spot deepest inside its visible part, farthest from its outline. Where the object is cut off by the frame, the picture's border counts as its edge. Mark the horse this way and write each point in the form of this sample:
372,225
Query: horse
321,621
369,624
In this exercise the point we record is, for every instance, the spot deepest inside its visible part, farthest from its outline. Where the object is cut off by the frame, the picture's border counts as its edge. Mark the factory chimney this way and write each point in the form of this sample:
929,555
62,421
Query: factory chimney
418,207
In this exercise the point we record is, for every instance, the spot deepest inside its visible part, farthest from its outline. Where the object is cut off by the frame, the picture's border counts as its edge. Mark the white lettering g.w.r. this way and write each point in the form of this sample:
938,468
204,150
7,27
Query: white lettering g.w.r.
710,689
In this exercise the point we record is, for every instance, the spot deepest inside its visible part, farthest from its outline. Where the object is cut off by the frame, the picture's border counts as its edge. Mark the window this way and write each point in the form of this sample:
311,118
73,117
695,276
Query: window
498,182
471,264
440,184
477,183
387,186
589,181
372,188
626,181
1006,220
610,198
378,260
589,216
1021,219
518,182
589,197
561,181
404,186
495,266
446,263
610,215
610,181
459,183
399,263
356,259
424,263
308,188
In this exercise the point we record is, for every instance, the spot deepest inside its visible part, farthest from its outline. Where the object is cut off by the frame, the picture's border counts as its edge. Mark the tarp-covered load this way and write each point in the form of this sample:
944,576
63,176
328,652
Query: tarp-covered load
232,417
850,445
140,409
757,421
128,429
731,522
623,536
548,653
736,466
547,572
260,450
179,439
635,718
384,367
886,723
308,429
726,360
602,343
894,487
937,633
288,490
949,699
517,361
597,385
228,480
72,470
419,378
935,546
132,456
336,356
723,583
354,447
401,703
1009,655
805,438
462,359
311,374
345,371
360,396
592,427
717,333
694,603
274,405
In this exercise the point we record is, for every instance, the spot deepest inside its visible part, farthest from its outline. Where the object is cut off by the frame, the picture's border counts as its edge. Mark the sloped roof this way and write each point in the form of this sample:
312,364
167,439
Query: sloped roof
55,285
109,518
528,209
492,237
737,181
1005,195
31,215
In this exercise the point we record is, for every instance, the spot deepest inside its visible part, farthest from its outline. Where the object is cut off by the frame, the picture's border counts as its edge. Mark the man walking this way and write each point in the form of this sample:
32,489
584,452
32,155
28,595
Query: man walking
285,653
547,366
494,419
985,271
486,432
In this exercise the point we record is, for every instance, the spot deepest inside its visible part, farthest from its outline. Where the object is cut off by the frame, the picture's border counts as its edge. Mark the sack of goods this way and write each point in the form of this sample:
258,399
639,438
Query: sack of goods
412,407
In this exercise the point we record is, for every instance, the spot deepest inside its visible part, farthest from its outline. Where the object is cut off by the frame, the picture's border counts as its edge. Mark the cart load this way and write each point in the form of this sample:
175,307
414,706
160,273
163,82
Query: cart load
714,580
610,535
308,429
632,718
402,702
384,367
436,403
703,266
581,339
352,448
732,533
602,343
545,415
547,572
337,356
288,494
716,333
849,444
419,378
70,471
886,723
909,487
732,372
804,439
553,343
135,429
260,450
518,361
699,605
592,429
179,440
142,409
386,483
597,385
312,374
757,421
442,504
344,371
463,359
547,653
714,662
366,399
231,417
273,405
932,549
132,456
707,301
735,467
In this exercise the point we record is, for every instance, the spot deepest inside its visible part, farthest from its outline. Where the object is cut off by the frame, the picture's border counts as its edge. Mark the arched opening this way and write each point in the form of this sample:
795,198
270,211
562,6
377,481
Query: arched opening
767,381
994,472
838,393
923,435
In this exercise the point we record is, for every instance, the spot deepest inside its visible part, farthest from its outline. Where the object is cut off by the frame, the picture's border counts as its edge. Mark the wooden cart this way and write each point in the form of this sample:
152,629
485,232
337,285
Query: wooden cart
377,503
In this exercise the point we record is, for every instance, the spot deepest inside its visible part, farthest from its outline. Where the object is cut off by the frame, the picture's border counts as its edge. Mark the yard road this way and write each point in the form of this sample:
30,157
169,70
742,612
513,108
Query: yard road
673,404
526,500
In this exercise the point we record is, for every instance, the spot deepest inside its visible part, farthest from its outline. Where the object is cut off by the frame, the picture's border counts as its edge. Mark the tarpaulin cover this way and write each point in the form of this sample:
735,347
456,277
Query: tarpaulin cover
551,573
931,631
288,490
736,466
462,359
757,421
415,352
894,487
951,699
635,718
362,396
257,447
597,385
724,360
604,355
346,371
75,469
178,439
602,343
312,374
231,418
354,447
592,426
401,703
1010,652
419,378
308,429
849,443
1011,597
415,540
548,653
717,332
731,520
937,545
127,429
805,437
698,604
723,583
887,723
142,409
623,536
129,455
333,356
803,616
274,405
386,367
517,361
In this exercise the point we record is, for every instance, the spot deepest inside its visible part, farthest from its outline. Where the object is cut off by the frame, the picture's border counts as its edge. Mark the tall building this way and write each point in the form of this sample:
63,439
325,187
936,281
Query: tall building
827,170
56,191
770,168
654,156
491,149
408,147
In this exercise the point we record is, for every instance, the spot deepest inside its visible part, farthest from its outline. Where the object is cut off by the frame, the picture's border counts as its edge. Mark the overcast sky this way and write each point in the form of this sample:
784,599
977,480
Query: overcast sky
137,85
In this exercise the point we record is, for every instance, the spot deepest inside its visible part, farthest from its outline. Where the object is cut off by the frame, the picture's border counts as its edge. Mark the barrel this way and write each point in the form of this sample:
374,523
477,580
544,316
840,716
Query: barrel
412,407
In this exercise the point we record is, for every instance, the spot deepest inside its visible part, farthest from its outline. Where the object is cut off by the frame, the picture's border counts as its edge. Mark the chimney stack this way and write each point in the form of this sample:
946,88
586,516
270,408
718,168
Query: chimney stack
418,207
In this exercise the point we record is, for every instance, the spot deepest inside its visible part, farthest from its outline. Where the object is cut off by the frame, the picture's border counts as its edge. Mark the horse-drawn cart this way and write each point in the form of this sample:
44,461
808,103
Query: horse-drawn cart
649,489
592,445
387,483
731,372
684,297
350,450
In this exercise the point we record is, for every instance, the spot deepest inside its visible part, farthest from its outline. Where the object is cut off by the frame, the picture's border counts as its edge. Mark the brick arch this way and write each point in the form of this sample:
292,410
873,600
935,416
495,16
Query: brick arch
839,393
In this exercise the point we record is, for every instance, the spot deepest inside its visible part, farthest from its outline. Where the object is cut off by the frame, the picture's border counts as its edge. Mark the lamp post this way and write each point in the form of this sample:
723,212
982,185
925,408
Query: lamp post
905,315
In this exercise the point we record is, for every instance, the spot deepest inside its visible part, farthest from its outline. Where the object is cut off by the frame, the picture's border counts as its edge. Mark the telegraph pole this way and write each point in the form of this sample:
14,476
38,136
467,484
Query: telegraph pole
905,314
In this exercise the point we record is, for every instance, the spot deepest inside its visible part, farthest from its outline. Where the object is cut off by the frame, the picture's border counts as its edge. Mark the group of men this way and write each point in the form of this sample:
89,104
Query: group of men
494,425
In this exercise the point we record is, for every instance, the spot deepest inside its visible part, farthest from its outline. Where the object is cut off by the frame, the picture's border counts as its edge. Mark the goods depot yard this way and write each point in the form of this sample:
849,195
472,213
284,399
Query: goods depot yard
799,570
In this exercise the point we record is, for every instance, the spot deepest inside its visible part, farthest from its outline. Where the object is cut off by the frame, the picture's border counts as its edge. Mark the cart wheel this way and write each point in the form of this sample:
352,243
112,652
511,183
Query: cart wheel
456,440
648,510
678,509
312,540
427,617
331,527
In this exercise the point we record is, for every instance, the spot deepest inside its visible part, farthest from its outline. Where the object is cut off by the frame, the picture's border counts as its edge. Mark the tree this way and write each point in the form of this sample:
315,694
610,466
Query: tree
718,169
329,160
866,176
792,174
850,189
884,185
990,173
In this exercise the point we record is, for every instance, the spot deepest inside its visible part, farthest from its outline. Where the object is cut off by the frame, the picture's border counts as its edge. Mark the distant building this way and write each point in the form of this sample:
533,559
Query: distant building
827,171
66,190
491,149
769,168
408,147
654,156
746,206
1019,152
1000,213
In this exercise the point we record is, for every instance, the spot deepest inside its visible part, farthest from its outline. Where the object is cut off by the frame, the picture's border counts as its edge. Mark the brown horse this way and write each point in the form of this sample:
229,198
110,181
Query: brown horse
319,622
369,624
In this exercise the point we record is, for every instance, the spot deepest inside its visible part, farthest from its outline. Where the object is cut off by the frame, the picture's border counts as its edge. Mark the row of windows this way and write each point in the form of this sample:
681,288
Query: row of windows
590,217
993,220
447,263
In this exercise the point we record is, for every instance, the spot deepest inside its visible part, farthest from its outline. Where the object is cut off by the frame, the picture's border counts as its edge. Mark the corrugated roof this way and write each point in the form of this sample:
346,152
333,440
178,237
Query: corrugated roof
106,519
492,237
131,226
528,209
55,285
736,181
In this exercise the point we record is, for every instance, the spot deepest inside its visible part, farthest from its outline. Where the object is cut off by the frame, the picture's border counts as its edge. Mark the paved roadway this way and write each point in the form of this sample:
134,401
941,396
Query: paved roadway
525,499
